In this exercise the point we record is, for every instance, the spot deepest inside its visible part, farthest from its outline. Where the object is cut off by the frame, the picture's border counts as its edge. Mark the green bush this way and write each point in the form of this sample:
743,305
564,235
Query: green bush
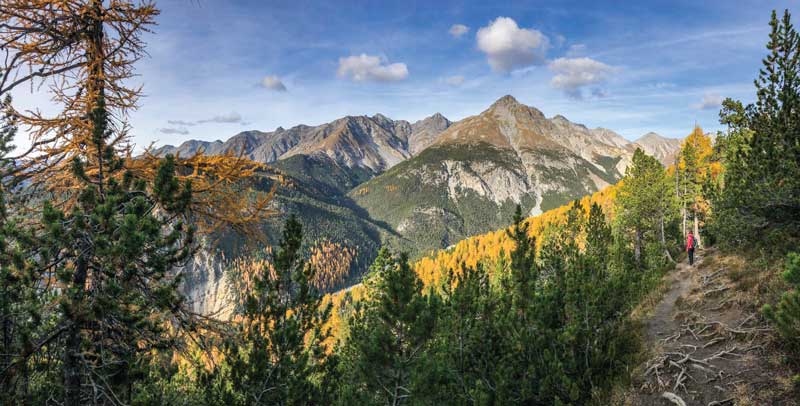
786,313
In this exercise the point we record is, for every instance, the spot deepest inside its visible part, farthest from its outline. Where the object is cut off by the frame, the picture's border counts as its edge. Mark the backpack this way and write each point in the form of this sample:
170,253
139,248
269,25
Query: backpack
694,243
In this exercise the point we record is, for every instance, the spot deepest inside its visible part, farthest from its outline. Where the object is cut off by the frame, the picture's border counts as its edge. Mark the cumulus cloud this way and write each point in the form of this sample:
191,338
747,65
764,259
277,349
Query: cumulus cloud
572,74
180,131
710,101
456,80
273,82
363,68
458,30
508,47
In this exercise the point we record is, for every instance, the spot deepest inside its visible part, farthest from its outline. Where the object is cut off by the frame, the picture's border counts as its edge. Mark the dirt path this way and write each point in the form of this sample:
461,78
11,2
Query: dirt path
707,347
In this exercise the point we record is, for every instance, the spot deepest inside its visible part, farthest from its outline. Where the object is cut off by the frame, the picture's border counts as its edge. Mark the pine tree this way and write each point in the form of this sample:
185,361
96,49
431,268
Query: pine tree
645,205
278,354
762,182
786,313
21,304
113,253
523,270
389,336
468,343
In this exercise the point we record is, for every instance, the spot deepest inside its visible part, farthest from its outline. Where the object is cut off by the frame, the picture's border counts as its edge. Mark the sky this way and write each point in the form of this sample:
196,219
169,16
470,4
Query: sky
219,67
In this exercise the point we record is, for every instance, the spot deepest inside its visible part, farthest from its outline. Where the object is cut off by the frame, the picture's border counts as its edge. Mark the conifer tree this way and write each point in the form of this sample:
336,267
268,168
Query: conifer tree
786,313
761,190
523,270
468,343
113,252
389,336
20,301
277,355
110,229
645,204
693,171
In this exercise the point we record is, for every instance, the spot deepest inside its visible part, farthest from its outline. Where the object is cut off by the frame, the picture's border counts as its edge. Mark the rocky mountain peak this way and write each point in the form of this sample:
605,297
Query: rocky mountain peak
663,148
651,136
381,119
424,132
505,101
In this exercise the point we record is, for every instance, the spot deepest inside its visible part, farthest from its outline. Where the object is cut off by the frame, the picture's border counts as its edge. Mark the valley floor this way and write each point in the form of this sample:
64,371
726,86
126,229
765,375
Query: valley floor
707,342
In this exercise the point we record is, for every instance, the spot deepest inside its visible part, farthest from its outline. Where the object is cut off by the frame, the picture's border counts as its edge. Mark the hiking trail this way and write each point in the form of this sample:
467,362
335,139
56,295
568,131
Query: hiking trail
707,345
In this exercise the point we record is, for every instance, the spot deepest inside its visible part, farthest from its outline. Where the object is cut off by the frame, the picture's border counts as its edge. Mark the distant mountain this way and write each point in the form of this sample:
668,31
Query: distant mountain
475,173
374,143
663,148
359,181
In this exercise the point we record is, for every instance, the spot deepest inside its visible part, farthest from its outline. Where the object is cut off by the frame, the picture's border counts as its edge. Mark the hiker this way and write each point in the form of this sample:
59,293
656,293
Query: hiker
691,243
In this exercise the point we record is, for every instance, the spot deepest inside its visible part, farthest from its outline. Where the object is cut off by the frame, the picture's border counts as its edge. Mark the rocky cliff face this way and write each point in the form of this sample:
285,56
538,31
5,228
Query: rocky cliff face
204,285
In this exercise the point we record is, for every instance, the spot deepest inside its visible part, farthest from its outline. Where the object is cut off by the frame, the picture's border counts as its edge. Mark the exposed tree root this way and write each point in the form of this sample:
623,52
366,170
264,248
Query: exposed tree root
673,398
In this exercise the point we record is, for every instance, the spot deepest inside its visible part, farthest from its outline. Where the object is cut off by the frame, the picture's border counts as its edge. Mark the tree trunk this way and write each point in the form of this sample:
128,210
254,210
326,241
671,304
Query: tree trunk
684,213
697,232
72,359
664,241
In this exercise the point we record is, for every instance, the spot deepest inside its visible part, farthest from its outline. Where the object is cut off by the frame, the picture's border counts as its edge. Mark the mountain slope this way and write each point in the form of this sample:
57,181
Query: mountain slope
472,177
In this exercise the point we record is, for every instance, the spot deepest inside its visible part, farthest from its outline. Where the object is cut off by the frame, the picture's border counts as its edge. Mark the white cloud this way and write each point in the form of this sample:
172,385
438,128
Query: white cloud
181,131
362,68
508,47
273,82
181,123
456,80
710,101
232,117
457,30
572,74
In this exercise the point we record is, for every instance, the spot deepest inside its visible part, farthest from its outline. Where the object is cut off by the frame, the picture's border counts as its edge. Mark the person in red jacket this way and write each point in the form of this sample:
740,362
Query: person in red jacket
690,244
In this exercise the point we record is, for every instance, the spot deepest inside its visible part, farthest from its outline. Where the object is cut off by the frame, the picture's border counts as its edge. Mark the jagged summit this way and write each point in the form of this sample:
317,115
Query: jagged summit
505,101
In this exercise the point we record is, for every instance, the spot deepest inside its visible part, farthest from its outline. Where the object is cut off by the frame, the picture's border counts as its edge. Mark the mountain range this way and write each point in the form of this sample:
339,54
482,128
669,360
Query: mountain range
364,181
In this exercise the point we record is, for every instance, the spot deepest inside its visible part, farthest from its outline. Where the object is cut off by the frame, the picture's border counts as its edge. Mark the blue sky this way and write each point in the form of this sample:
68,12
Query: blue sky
219,67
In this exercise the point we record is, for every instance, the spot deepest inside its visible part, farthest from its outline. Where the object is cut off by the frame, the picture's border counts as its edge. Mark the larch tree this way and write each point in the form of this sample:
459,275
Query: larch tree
112,228
692,172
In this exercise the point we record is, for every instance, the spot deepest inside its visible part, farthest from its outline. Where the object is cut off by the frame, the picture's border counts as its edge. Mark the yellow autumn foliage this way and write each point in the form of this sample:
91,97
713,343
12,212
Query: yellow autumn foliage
471,251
